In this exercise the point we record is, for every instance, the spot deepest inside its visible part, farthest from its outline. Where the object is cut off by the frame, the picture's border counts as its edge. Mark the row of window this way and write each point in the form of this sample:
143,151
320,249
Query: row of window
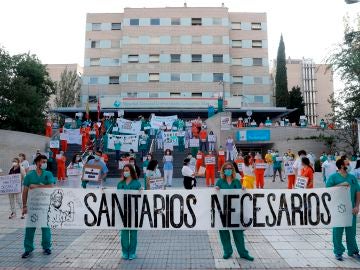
175,58
181,21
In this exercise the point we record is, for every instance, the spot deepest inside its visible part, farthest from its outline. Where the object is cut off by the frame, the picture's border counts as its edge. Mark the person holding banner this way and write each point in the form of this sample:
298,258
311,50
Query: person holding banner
221,157
228,181
152,172
16,169
60,161
128,238
308,172
39,178
210,169
259,171
168,168
342,177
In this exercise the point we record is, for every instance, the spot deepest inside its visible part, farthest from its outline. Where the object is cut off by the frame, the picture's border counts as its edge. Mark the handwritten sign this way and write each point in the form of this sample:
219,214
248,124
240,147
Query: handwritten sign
260,165
73,171
156,183
209,160
91,173
301,182
10,184
211,138
221,153
288,167
54,144
194,143
240,166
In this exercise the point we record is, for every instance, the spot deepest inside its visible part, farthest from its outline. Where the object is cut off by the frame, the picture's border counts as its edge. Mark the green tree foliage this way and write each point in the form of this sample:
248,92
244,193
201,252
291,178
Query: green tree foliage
25,88
296,101
68,89
281,84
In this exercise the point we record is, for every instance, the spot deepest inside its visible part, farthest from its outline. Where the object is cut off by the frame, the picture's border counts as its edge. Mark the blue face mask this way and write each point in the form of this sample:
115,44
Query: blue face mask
126,174
227,172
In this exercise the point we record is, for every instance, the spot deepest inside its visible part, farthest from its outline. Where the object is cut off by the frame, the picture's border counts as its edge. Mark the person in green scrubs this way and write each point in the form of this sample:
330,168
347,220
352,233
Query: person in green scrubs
228,180
128,238
39,178
342,177
145,165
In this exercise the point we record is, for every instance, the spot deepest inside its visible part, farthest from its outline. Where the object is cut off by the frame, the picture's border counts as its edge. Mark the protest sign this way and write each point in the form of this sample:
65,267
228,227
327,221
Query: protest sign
221,153
128,127
73,171
10,183
288,167
240,166
54,144
127,142
156,183
209,160
74,136
225,123
205,209
301,182
260,165
157,121
171,137
64,136
211,138
168,145
194,143
91,173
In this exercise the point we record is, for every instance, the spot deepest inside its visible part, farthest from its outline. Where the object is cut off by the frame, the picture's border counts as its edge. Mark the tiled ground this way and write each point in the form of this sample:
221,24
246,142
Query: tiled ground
96,249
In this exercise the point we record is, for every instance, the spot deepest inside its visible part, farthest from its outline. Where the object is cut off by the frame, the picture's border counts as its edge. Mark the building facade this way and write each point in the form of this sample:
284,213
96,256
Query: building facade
176,57
316,84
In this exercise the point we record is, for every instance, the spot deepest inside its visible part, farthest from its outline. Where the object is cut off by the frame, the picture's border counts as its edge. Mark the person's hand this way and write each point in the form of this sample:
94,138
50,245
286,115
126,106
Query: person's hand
24,210
355,210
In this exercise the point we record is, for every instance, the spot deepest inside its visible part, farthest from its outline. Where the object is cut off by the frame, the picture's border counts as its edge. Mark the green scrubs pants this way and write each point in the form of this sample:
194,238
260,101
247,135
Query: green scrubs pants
128,240
194,151
84,183
238,239
350,233
29,239
181,144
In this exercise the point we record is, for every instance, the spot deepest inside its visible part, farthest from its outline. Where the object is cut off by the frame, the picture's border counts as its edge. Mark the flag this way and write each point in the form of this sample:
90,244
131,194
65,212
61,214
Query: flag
87,115
98,109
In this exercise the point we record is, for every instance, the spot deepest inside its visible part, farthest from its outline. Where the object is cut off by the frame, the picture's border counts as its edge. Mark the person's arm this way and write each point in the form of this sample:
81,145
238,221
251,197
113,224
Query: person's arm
355,210
24,199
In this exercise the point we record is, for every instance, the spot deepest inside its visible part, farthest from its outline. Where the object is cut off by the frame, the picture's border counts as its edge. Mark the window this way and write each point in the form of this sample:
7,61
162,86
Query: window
95,44
175,77
195,21
237,79
175,94
154,77
236,61
154,58
257,61
217,58
175,58
196,58
131,94
153,95
133,40
218,77
134,21
94,61
93,80
96,26
257,44
132,77
133,58
258,99
175,40
236,25
217,40
92,99
175,21
236,43
116,26
154,21
255,26
196,77
154,40
114,80
258,80
196,40
196,94
217,21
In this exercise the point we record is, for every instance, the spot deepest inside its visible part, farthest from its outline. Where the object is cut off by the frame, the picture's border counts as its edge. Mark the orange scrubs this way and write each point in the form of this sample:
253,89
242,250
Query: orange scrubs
210,169
309,174
48,129
199,160
61,175
221,159
259,174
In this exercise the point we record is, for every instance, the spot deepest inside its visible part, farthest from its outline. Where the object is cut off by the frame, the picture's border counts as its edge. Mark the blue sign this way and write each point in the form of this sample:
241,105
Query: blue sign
258,135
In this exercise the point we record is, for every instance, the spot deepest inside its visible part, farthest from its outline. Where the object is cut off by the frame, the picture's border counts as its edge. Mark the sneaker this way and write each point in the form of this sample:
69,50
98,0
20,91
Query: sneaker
247,257
125,256
356,256
26,254
339,257
12,215
23,217
47,251
132,257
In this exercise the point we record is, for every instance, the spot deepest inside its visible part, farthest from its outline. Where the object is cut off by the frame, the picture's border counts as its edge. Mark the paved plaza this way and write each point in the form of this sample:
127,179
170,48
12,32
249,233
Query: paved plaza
100,249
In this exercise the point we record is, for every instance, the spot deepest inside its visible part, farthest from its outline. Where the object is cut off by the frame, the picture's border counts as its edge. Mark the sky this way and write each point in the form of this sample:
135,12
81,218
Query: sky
55,29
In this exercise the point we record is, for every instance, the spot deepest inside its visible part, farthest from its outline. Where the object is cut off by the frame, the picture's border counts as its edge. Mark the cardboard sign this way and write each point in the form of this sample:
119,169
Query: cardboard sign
210,160
10,184
73,171
240,166
64,137
194,143
156,183
260,165
54,144
301,182
91,173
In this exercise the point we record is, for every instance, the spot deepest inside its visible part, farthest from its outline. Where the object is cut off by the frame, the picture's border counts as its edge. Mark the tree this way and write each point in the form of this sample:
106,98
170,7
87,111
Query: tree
68,89
25,88
296,101
281,85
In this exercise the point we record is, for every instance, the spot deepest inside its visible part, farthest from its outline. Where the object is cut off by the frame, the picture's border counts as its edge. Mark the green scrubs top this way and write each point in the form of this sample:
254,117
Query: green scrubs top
223,184
133,185
46,178
276,164
337,178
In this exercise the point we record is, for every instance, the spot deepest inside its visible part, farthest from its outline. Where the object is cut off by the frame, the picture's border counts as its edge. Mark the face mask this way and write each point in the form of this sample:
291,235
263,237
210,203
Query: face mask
14,164
97,158
44,166
190,157
227,172
126,174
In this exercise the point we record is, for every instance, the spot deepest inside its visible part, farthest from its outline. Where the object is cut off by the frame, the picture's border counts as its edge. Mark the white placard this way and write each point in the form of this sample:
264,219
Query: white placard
209,160
225,123
205,209
301,182
64,136
156,184
288,167
260,165
127,142
240,166
221,153
211,138
54,144
73,171
157,121
128,127
199,156
74,136
91,173
10,183
194,143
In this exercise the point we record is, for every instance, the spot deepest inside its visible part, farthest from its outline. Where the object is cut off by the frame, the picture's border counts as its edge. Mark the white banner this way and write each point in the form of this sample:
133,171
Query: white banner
54,144
64,136
74,136
171,137
128,127
127,142
301,182
156,183
225,123
10,183
199,209
157,121
194,142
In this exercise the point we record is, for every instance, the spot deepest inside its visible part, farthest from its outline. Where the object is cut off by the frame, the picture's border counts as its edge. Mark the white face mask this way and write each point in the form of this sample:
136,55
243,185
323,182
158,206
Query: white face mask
15,164
44,166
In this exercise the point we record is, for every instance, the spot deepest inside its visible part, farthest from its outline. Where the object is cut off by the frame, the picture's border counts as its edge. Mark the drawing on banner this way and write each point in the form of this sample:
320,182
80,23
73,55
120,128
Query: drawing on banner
54,144
156,183
301,182
225,123
10,183
57,215
91,173
194,143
